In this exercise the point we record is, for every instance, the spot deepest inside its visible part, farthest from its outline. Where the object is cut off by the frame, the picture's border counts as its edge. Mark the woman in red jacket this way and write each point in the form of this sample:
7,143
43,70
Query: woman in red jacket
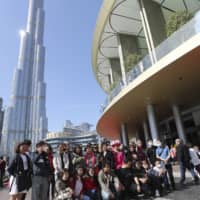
78,186
91,185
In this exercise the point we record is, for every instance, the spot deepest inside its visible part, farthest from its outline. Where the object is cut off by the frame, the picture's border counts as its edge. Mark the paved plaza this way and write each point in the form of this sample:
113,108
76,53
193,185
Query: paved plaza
190,192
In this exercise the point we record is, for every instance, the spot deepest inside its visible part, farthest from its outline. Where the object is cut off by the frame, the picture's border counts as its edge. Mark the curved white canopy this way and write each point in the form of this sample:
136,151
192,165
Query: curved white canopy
123,16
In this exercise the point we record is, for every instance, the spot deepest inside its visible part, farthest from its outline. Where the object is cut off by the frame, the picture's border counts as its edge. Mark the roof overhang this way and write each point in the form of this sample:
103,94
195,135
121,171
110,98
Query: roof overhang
123,16
172,80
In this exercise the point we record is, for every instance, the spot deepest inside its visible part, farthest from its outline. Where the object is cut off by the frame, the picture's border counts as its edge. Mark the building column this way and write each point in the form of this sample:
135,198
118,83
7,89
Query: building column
146,132
153,23
146,32
124,134
152,122
137,135
111,76
115,69
121,57
179,123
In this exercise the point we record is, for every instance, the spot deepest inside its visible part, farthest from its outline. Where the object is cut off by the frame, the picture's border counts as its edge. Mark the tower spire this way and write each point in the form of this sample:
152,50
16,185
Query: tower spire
25,117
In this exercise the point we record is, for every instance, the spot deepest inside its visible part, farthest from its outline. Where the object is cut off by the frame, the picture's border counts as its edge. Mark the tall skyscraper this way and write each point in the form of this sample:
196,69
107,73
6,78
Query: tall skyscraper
25,117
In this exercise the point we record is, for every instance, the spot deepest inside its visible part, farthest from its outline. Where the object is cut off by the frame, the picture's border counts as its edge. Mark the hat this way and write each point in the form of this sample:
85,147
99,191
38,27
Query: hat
27,142
115,143
39,144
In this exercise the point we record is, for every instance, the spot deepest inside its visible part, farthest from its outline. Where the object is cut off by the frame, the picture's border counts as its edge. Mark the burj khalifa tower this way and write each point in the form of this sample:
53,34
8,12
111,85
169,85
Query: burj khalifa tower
25,117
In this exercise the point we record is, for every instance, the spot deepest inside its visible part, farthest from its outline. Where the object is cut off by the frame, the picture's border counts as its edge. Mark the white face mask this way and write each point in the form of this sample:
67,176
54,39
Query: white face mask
150,144
91,173
159,144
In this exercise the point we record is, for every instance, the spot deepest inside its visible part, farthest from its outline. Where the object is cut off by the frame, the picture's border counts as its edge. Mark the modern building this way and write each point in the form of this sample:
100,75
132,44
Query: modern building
73,135
77,129
145,56
1,116
25,117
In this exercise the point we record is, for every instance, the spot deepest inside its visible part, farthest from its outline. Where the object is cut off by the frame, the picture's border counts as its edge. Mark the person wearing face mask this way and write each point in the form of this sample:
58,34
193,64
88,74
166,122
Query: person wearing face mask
163,154
151,153
157,176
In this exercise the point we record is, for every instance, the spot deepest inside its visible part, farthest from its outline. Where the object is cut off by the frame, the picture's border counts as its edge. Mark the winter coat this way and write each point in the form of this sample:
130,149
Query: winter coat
90,183
63,190
23,177
41,165
107,157
57,162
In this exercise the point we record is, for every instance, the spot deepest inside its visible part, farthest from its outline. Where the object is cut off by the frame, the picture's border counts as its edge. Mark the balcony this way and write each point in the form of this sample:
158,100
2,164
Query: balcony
185,33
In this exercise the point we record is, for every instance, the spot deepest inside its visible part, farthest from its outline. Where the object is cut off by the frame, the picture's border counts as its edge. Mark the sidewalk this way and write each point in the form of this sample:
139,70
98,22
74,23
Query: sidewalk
190,192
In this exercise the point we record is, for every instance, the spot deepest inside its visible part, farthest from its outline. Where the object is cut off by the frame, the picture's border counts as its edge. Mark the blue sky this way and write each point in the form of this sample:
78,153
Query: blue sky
72,91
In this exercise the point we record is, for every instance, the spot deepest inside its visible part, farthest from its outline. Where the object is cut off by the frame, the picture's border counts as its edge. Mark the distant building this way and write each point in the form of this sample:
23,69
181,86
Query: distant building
1,116
82,127
74,135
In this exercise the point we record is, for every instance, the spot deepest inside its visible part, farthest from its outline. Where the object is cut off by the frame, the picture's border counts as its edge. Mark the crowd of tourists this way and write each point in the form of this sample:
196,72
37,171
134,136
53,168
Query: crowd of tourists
98,172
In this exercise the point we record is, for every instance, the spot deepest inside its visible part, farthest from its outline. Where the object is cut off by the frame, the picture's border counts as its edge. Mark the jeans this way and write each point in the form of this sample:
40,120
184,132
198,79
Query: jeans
83,197
93,194
40,188
183,168
106,195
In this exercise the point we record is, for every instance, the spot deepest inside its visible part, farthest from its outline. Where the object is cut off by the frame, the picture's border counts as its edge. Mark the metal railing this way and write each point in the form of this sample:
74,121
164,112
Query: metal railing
183,34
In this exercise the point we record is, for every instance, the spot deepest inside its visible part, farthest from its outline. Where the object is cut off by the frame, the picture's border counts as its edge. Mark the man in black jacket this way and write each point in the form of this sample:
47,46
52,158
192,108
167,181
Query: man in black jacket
183,157
41,173
126,178
151,153
106,156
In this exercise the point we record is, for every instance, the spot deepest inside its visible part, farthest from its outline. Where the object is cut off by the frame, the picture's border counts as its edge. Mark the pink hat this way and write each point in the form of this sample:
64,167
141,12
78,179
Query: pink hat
115,143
